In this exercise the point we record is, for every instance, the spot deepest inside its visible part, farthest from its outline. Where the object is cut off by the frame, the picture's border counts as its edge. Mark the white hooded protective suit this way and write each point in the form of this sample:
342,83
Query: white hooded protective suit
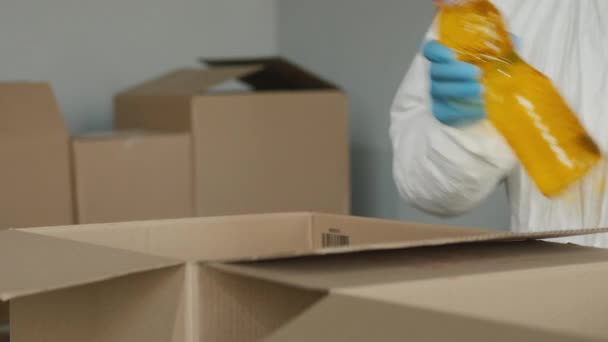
448,171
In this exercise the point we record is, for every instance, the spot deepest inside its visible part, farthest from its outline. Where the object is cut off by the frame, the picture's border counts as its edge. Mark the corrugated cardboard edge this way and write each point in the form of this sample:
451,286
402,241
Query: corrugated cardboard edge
237,269
266,61
311,224
192,300
190,81
144,224
482,237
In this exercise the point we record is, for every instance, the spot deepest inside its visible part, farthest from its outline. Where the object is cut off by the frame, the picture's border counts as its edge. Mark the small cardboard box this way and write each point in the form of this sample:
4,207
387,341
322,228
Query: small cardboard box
35,185
299,277
281,146
129,176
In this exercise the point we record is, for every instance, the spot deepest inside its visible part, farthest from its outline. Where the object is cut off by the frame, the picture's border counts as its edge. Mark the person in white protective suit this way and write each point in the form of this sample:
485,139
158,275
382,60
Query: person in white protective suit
448,158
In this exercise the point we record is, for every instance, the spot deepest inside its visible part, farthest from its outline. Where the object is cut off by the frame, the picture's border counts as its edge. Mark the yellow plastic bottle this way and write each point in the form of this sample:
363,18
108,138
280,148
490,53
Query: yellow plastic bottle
523,105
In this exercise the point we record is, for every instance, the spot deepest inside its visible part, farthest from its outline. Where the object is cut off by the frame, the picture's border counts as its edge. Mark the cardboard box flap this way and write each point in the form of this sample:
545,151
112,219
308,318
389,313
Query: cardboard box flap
344,271
197,239
30,109
483,237
189,82
276,74
341,318
300,234
331,230
39,263
557,292
437,238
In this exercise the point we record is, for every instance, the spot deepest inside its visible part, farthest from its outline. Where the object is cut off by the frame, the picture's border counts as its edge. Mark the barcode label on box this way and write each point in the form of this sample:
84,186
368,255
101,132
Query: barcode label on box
335,240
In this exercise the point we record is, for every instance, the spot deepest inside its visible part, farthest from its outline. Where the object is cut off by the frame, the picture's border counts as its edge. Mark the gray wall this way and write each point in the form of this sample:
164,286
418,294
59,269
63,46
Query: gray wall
89,49
366,47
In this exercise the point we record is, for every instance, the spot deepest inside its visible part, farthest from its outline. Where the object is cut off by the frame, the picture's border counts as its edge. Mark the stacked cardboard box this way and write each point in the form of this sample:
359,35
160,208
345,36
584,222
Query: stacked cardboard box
281,146
131,176
324,278
34,154
278,144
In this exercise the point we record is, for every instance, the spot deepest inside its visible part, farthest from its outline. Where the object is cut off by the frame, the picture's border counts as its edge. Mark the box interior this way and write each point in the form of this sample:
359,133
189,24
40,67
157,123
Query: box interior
138,307
569,299
343,318
261,307
488,286
343,271
274,74
197,239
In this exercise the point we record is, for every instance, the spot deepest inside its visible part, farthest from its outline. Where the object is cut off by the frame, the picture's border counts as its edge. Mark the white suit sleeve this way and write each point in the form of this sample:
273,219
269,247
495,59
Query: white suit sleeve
440,169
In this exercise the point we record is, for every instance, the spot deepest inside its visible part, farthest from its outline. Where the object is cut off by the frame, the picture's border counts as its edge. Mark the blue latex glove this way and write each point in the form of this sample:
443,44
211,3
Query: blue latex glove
456,93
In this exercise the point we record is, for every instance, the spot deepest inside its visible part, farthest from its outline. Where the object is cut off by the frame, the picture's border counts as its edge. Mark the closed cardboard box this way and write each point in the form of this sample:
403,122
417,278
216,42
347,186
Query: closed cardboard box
35,185
300,277
132,176
282,145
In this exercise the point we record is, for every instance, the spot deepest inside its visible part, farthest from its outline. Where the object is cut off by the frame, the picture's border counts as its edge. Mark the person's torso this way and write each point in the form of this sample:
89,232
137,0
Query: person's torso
567,40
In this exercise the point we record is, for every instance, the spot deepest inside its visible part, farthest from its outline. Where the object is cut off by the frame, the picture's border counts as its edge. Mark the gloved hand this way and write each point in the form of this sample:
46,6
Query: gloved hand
456,93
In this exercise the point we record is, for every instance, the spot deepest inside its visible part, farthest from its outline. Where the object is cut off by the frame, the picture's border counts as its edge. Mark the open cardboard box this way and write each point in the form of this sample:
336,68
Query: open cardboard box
278,143
300,276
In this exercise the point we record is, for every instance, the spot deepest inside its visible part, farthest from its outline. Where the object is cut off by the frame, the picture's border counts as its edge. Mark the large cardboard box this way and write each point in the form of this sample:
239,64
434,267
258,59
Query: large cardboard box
129,176
281,146
327,277
34,153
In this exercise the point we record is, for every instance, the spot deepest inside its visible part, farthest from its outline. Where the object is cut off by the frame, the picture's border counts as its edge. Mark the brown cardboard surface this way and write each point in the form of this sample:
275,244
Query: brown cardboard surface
132,176
198,239
192,81
337,231
556,292
456,237
300,284
34,152
271,153
262,307
298,234
348,319
134,111
247,237
399,266
38,263
518,289
138,307
279,148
